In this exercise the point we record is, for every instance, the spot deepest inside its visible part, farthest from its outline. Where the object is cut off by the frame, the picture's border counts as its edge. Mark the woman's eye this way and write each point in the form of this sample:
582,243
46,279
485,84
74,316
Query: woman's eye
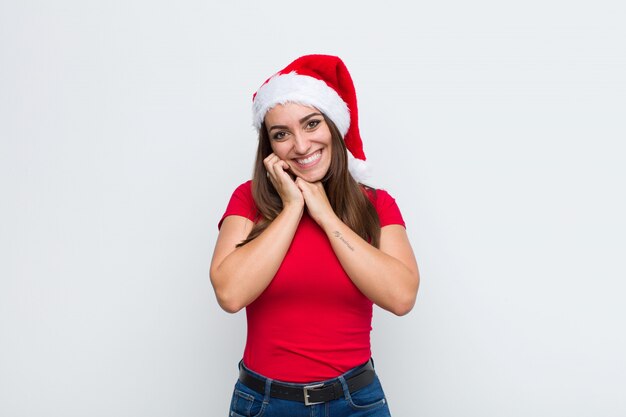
312,124
279,136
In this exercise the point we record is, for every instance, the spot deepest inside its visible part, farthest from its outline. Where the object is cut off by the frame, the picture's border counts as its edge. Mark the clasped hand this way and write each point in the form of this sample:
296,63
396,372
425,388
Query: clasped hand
298,192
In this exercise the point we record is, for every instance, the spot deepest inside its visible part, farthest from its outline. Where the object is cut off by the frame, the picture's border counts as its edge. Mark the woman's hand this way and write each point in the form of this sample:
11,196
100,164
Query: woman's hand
289,193
388,276
316,201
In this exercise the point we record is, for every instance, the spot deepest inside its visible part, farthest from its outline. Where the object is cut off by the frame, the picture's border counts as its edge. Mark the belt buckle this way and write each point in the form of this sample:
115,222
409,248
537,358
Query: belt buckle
306,394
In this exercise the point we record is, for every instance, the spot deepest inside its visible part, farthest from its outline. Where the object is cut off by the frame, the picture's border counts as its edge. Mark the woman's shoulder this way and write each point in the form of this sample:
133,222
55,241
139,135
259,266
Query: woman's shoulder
241,203
378,196
385,205
243,194
245,188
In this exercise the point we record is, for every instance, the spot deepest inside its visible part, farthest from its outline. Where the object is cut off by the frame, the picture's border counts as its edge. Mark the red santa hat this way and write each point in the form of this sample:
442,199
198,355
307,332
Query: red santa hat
323,82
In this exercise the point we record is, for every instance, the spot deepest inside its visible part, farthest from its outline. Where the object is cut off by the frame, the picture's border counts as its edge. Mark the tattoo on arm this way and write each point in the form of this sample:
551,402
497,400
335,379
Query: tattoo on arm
340,237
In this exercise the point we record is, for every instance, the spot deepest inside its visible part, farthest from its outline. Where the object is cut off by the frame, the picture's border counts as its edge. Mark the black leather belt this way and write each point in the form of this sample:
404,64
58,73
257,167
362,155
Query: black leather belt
313,393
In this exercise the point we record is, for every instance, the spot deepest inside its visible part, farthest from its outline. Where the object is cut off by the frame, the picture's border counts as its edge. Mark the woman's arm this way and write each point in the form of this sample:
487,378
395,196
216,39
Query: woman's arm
388,276
240,274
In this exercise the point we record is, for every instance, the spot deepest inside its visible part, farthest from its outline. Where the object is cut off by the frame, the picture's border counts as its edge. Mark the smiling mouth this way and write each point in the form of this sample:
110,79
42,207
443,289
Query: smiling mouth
309,160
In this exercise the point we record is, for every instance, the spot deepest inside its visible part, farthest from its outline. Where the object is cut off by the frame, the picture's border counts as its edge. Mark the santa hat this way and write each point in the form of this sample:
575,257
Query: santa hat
323,82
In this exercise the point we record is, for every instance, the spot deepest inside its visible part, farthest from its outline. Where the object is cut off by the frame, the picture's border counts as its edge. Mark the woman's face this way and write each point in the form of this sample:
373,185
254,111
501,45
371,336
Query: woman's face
300,136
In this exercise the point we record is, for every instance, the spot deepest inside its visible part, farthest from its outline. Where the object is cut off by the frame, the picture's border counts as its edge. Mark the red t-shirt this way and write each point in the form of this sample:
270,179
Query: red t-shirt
311,323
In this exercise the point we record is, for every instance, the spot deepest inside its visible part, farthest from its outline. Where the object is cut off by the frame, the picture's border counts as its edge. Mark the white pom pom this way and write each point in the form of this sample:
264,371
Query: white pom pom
359,169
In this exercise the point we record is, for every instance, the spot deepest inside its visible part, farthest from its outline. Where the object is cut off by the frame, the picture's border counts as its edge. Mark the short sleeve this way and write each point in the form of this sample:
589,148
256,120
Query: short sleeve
388,210
241,204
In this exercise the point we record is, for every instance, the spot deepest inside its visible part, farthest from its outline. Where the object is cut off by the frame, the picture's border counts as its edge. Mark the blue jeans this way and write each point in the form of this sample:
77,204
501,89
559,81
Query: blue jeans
368,401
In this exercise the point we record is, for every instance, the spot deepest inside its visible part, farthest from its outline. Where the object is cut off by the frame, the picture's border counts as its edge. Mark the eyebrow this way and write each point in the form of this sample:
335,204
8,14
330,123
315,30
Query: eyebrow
304,119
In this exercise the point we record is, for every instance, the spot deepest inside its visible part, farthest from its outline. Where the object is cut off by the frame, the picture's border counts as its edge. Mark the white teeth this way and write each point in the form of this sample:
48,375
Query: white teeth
310,159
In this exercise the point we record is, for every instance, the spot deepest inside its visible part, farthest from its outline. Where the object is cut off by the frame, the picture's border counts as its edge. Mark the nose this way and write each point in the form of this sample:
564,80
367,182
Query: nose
301,145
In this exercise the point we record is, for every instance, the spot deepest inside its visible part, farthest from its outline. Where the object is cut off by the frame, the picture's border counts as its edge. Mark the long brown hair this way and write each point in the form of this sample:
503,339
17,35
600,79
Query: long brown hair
347,197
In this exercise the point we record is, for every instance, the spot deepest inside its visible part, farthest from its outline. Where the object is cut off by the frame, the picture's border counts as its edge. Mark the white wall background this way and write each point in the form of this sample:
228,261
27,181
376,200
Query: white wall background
498,126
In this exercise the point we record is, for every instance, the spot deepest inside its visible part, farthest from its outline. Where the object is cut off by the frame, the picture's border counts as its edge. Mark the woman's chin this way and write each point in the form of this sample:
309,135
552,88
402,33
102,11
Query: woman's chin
311,177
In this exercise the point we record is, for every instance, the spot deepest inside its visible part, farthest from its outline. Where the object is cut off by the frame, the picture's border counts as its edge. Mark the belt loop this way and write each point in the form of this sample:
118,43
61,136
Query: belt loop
268,390
344,386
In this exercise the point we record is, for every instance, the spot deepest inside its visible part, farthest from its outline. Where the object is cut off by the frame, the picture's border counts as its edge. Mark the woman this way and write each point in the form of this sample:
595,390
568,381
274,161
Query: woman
307,250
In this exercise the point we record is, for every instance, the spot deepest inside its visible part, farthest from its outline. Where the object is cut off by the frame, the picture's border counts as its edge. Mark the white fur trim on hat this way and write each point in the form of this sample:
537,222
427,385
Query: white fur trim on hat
359,169
300,89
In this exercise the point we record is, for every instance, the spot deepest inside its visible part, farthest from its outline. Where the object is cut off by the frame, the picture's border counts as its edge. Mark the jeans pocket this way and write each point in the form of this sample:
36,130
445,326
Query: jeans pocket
245,402
368,397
